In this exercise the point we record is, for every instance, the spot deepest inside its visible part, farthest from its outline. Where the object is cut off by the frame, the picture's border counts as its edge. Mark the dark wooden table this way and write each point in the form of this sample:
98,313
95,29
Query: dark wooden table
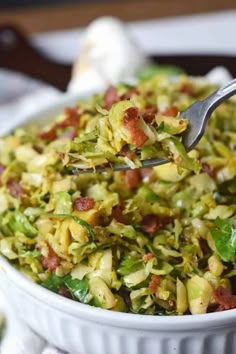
47,18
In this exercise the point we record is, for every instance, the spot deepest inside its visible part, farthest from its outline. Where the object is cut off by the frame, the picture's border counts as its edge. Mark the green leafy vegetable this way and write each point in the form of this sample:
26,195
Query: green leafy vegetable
19,222
63,203
53,283
33,254
78,288
153,70
130,264
224,235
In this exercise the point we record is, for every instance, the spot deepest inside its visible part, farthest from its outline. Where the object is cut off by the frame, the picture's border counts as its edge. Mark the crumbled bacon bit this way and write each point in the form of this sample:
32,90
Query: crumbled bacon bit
187,88
131,116
117,214
110,97
15,188
125,151
209,170
130,121
170,112
72,120
132,178
148,114
52,261
147,257
64,292
224,298
154,283
152,223
138,137
102,221
48,135
84,203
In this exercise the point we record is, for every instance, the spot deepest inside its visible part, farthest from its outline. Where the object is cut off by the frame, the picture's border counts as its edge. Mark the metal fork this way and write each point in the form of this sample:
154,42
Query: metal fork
197,114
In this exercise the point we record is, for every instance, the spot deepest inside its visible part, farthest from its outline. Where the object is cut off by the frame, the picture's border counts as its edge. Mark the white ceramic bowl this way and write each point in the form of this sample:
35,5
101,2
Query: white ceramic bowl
83,329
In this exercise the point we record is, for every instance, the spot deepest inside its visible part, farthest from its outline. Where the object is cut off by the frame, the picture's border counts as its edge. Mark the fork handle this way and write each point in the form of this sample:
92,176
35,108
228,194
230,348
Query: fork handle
220,95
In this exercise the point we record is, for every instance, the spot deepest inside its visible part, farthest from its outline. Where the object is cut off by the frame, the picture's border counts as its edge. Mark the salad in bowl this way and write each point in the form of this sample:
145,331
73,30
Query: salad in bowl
157,241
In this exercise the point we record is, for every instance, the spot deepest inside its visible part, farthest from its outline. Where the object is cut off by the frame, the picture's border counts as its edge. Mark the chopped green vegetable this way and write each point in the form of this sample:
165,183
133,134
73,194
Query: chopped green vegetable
19,222
78,288
161,69
53,283
224,235
130,264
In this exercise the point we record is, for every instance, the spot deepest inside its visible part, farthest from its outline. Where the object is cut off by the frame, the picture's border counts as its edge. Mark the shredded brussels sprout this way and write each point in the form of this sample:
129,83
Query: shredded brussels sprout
158,241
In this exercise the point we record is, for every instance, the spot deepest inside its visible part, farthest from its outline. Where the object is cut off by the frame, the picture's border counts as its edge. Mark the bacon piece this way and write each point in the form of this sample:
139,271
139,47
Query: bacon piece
125,151
152,223
64,292
170,112
72,120
154,283
132,178
110,97
131,116
187,88
117,213
48,135
52,261
15,188
84,203
147,257
103,220
130,122
149,114
209,170
224,298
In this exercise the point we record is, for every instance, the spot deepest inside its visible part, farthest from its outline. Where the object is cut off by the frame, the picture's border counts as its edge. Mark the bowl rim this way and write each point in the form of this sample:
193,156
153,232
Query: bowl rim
94,314
112,318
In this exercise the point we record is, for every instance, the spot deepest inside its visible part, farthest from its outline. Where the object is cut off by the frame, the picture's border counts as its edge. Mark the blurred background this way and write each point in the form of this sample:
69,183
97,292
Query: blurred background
48,15
43,40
